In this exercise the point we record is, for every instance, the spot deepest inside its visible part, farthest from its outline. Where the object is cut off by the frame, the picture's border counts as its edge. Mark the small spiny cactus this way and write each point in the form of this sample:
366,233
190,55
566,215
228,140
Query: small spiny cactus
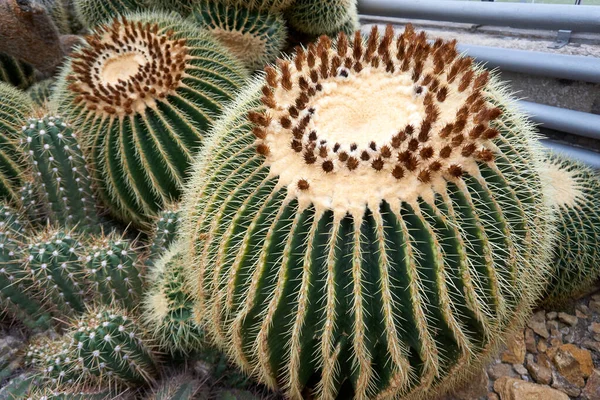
113,347
14,108
114,271
255,37
60,170
52,360
158,86
168,306
51,260
14,299
369,216
574,192
165,232
262,5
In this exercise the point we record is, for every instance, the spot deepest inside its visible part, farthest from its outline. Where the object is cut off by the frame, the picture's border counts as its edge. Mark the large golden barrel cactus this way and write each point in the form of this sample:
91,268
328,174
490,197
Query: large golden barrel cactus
367,220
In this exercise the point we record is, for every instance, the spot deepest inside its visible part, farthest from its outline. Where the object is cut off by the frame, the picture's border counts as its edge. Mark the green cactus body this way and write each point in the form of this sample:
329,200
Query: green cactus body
17,388
168,306
318,17
181,387
368,220
16,73
51,261
61,171
140,140
268,5
574,191
29,197
14,299
49,394
53,361
114,270
165,232
41,91
255,37
113,347
96,12
14,108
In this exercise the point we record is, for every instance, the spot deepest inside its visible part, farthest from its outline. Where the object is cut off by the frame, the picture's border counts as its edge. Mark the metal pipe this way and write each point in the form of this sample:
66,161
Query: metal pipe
590,158
517,15
563,120
577,68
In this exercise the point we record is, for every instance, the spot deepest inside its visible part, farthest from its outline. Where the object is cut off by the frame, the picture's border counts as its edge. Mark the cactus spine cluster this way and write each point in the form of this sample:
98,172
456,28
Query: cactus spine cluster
61,172
16,73
14,109
143,93
574,192
254,37
369,213
168,305
115,272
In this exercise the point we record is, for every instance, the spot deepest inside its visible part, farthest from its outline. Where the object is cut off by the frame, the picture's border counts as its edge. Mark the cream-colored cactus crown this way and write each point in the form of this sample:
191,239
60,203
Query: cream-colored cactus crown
392,119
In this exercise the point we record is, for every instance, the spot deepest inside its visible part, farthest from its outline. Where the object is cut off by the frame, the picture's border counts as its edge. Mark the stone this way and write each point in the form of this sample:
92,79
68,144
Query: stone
565,330
555,343
560,383
594,328
541,374
597,338
538,324
530,343
591,344
595,306
515,352
574,364
499,370
568,319
569,338
542,345
580,314
516,389
592,387
476,387
551,315
492,396
520,369
552,326
582,308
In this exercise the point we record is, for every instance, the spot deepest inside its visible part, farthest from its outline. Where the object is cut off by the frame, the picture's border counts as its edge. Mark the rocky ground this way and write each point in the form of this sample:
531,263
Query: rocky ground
557,357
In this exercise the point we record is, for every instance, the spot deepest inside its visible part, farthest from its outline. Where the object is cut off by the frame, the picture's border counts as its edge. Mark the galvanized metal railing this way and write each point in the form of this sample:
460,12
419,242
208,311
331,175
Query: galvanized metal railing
519,15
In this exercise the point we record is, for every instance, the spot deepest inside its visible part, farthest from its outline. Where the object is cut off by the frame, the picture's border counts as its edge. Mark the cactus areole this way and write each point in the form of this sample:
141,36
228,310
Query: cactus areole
367,220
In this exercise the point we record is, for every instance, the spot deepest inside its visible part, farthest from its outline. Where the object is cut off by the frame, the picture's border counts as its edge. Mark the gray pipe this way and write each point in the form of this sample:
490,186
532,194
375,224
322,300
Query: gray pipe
590,158
577,68
563,120
517,15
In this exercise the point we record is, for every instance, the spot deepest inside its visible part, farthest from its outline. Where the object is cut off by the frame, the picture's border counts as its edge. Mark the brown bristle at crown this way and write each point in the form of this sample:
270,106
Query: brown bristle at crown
303,184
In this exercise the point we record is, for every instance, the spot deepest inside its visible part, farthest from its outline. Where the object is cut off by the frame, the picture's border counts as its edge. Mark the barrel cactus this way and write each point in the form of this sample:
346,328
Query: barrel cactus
367,220
574,191
15,107
144,113
95,12
268,5
61,171
168,306
318,17
16,73
255,37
